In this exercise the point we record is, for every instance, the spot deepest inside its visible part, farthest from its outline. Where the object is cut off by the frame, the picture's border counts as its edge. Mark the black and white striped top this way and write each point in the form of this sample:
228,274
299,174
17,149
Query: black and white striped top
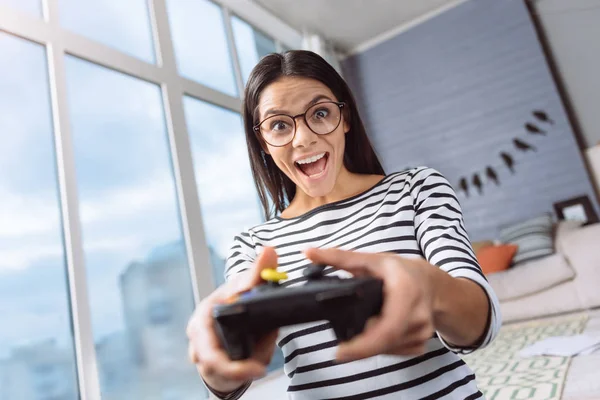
413,213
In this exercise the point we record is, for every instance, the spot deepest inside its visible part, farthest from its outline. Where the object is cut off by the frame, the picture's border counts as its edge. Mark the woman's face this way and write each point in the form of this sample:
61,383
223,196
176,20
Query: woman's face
313,162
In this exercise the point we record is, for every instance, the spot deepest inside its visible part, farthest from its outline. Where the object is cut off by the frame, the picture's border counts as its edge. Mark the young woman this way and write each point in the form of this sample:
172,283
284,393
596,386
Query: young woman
332,203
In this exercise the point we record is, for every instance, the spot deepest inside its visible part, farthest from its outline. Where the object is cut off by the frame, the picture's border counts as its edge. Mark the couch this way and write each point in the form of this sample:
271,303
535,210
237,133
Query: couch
568,280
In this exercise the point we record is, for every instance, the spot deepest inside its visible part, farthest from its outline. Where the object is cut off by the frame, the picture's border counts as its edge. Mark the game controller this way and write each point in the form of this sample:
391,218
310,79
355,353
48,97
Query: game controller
346,303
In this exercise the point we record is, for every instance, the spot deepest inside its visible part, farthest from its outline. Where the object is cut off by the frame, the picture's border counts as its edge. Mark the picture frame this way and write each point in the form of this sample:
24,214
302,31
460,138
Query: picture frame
576,209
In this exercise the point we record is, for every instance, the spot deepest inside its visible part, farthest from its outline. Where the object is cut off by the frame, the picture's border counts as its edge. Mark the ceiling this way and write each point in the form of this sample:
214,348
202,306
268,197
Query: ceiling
351,24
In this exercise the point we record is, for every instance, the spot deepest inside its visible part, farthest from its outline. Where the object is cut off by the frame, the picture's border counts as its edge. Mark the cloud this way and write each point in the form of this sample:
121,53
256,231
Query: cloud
29,6
228,197
124,25
200,43
26,142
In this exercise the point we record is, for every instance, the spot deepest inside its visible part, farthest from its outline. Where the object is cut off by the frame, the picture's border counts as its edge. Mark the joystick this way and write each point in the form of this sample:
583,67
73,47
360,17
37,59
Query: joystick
314,271
346,303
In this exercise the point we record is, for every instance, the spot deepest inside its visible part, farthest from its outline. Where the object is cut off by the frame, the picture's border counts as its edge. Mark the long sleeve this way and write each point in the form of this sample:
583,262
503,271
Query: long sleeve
444,242
241,255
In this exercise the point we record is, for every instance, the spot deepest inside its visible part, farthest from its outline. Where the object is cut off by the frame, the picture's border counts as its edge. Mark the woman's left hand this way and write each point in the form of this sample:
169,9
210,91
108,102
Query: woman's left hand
406,321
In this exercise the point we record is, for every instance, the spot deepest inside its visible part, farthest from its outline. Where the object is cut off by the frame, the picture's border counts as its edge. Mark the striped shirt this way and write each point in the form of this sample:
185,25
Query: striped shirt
414,213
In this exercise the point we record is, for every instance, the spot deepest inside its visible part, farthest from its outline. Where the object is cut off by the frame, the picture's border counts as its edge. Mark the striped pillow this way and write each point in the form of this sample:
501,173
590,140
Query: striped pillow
533,236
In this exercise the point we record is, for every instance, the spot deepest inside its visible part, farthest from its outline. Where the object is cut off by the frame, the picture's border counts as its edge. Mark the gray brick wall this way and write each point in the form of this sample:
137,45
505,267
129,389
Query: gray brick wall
453,93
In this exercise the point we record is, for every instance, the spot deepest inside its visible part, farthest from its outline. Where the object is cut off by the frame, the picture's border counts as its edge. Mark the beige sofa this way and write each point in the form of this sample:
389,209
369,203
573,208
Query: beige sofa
568,280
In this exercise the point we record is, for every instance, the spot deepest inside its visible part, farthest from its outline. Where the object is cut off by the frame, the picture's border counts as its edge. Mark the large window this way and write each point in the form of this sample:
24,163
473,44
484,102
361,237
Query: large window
227,195
225,186
36,343
104,246
138,276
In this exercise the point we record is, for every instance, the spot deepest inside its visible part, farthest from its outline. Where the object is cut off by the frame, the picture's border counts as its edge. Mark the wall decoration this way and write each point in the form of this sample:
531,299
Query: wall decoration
576,209
522,145
533,129
542,116
464,186
491,174
477,183
508,160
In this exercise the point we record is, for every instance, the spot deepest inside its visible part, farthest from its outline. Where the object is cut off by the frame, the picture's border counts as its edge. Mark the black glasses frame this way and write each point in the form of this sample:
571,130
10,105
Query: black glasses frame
257,129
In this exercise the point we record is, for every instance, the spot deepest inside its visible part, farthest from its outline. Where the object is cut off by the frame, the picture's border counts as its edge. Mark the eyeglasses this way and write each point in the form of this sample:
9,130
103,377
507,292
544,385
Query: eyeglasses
321,118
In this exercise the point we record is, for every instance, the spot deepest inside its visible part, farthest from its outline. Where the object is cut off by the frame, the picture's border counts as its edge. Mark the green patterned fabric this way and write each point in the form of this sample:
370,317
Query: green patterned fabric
502,374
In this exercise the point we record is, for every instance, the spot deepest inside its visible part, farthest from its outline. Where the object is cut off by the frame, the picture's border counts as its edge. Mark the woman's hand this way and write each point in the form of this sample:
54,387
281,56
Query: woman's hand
418,299
205,350
406,320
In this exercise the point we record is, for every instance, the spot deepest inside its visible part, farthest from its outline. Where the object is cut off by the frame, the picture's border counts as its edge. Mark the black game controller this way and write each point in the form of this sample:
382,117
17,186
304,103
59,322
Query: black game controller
346,303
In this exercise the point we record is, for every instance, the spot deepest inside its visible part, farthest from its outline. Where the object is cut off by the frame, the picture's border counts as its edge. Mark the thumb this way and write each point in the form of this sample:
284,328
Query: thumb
266,259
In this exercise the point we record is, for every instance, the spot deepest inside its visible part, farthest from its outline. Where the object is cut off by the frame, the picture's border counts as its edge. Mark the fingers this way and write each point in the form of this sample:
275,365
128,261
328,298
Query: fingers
205,350
265,347
266,259
384,331
352,261
204,347
375,340
218,364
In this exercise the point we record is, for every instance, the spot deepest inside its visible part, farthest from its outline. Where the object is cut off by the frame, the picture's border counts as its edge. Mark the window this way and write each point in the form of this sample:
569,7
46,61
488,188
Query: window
34,308
227,195
124,25
110,148
33,7
251,45
200,42
132,236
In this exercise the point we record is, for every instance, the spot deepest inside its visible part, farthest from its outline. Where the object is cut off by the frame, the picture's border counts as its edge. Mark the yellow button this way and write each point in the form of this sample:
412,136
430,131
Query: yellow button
271,275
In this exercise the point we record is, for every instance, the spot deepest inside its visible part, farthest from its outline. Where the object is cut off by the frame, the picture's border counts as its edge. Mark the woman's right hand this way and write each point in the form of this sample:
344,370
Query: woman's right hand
205,350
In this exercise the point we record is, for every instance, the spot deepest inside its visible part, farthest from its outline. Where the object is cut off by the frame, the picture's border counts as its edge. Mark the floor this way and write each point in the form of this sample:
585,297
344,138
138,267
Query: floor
583,378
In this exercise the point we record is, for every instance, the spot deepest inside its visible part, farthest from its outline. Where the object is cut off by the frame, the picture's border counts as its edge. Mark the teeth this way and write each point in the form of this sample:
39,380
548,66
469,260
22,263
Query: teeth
311,159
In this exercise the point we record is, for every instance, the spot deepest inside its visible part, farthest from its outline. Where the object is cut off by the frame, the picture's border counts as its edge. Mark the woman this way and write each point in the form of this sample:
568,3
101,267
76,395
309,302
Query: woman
311,159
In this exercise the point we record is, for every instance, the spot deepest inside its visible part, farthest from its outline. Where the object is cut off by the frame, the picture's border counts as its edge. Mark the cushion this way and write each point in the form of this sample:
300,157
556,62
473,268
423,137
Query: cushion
496,258
481,244
531,277
534,237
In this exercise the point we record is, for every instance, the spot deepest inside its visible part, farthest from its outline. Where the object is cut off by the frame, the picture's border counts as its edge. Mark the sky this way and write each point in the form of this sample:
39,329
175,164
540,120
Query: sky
128,203
30,6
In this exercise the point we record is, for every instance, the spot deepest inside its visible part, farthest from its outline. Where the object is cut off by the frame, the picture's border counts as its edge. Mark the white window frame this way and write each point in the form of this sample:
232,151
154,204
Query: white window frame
59,42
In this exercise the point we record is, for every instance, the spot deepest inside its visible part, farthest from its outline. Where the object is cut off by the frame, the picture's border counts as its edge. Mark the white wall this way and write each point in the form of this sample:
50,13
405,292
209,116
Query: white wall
593,158
572,30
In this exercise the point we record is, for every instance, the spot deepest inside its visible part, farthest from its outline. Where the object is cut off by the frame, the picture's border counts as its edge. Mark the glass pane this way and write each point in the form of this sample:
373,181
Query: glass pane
200,44
228,198
138,275
251,45
124,25
36,341
29,6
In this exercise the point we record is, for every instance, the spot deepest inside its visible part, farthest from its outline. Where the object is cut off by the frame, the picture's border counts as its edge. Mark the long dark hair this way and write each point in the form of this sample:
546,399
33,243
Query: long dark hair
359,156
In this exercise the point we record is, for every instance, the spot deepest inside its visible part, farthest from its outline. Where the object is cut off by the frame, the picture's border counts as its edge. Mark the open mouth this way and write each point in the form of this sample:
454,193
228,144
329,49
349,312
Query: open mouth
314,166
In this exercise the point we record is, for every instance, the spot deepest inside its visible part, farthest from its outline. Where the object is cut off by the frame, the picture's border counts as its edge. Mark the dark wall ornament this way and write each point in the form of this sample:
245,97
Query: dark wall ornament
538,129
